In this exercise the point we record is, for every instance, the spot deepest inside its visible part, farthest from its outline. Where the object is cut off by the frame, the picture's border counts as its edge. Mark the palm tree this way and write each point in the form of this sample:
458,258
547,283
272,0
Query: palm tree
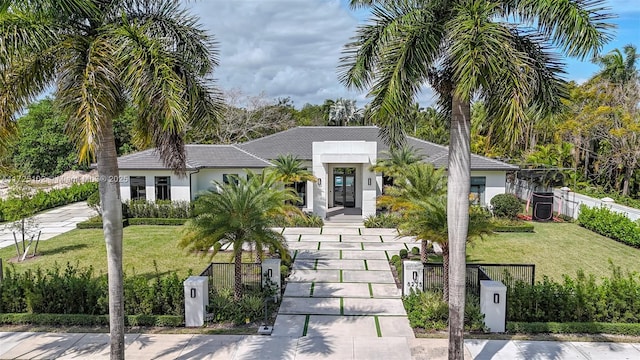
618,68
289,169
420,182
396,161
468,49
342,112
97,56
240,213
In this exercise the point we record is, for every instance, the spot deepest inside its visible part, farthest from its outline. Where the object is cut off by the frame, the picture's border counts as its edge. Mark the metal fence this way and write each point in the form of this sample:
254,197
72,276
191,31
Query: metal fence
222,276
508,274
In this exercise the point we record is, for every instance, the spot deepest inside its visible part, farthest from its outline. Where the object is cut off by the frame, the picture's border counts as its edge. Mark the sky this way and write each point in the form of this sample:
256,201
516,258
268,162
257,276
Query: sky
291,48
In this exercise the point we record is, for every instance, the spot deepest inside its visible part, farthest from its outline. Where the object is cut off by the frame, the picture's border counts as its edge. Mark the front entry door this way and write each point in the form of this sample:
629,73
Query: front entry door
344,187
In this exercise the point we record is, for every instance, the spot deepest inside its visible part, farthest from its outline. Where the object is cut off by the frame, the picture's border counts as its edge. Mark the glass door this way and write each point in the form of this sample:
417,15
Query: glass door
344,187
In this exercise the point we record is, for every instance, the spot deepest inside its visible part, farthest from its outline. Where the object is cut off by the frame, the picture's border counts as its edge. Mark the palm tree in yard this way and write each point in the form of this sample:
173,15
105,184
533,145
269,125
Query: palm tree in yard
617,68
468,49
237,214
396,160
289,169
97,56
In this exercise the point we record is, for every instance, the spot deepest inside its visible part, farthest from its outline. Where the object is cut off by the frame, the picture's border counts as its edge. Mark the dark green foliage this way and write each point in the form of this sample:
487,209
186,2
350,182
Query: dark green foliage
43,200
156,221
396,261
225,307
581,299
427,310
382,220
96,223
88,320
42,147
610,224
93,201
415,250
403,253
506,205
573,328
298,220
164,209
73,290
511,225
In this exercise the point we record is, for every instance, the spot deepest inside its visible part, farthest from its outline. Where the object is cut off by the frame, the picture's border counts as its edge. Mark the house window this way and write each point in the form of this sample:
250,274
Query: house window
227,178
163,188
478,184
301,190
138,190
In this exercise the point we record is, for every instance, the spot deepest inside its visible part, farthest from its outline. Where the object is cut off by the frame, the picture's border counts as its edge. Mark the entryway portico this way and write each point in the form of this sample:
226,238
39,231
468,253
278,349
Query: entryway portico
344,178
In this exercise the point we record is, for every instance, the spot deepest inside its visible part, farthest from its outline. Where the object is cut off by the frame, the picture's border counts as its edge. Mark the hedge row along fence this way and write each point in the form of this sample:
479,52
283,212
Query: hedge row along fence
610,224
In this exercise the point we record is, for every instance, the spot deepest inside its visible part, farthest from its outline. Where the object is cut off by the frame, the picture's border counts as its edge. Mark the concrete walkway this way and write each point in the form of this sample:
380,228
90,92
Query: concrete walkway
341,298
53,222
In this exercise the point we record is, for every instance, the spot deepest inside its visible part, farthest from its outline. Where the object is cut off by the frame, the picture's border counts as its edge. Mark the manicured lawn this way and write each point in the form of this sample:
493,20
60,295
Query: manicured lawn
142,245
556,249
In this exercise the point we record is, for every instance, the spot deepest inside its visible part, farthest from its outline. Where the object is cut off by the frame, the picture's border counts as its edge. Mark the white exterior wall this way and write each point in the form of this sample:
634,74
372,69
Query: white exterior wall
360,155
203,178
496,183
180,187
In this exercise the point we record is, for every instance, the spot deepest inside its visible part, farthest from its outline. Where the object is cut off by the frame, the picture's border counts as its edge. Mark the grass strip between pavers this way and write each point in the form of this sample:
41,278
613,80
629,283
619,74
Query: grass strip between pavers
340,238
366,267
342,306
340,275
295,253
387,255
306,325
340,254
313,285
361,246
405,245
377,324
359,232
319,245
299,237
370,291
381,239
315,264
282,231
321,230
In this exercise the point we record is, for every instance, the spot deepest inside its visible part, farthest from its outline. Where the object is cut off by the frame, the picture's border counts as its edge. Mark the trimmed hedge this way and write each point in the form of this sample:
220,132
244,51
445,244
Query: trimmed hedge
573,328
526,228
156,221
610,224
165,209
92,224
43,200
88,320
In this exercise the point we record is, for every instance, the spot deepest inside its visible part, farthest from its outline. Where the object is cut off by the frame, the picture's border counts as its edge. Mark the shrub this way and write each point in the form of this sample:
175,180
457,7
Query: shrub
297,220
43,200
403,253
156,221
506,205
164,209
573,328
580,299
74,290
610,224
224,307
415,250
382,220
427,310
88,320
511,225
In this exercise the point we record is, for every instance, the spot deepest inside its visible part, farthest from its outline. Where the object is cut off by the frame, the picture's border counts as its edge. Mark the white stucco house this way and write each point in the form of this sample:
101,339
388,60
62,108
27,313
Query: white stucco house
340,157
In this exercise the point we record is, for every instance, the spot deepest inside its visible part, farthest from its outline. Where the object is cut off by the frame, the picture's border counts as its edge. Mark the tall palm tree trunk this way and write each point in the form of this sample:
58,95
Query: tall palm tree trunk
445,272
237,269
459,184
424,248
109,189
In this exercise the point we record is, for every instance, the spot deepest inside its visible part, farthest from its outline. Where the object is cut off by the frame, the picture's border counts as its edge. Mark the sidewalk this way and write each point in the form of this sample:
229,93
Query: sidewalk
53,222
31,345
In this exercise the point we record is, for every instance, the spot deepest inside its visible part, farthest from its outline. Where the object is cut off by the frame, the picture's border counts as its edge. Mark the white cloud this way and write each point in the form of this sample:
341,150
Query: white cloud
284,48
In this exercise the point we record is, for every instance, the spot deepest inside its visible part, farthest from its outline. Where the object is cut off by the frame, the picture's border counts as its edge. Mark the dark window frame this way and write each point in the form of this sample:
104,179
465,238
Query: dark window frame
138,187
159,187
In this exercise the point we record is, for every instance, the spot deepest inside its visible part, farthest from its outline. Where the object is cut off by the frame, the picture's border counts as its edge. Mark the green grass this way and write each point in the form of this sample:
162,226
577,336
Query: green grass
556,249
142,245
